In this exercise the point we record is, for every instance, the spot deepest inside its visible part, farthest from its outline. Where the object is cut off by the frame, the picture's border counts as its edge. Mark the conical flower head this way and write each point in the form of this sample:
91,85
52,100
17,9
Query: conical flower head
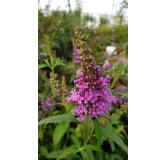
93,97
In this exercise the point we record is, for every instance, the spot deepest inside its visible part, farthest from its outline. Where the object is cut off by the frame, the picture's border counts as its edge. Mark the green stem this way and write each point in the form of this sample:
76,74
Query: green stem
90,135
113,83
85,129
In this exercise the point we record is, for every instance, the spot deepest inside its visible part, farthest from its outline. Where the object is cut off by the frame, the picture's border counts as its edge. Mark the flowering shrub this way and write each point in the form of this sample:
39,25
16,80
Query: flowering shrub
80,124
83,100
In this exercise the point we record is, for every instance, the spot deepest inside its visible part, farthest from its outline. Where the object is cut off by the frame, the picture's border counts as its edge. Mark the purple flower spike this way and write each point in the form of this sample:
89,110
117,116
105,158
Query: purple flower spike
93,97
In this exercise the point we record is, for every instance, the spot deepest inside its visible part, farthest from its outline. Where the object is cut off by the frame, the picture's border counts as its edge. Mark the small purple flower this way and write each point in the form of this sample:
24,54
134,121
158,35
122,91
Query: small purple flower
114,99
106,65
106,54
47,104
123,100
120,100
121,88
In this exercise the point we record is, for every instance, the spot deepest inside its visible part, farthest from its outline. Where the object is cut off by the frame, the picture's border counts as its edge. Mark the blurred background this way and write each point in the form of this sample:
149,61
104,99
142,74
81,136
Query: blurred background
104,16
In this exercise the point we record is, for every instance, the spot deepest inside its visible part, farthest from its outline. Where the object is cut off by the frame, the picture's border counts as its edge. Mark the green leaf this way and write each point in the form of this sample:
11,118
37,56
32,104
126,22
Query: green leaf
43,150
59,62
68,106
123,78
52,59
47,62
55,112
120,142
99,156
98,132
78,131
93,147
115,157
72,130
110,133
42,95
104,133
85,155
72,78
53,89
40,66
68,151
123,94
58,119
107,156
55,45
90,154
75,140
59,132
40,135
54,154
115,121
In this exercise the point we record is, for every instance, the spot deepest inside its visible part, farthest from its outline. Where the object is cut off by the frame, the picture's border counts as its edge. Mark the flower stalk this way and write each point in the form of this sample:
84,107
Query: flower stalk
93,97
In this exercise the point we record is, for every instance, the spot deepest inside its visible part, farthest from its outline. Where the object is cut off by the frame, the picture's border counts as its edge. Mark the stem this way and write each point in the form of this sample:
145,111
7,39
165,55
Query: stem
90,135
44,114
85,130
113,83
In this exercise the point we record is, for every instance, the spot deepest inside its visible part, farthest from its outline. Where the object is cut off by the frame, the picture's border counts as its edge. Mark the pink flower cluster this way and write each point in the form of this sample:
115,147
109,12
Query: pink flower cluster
93,97
76,56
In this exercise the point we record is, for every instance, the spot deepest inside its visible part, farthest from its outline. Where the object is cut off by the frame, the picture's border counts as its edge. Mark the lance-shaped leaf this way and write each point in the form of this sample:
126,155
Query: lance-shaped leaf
59,132
68,151
120,142
110,135
93,147
54,154
58,119
98,132
40,66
